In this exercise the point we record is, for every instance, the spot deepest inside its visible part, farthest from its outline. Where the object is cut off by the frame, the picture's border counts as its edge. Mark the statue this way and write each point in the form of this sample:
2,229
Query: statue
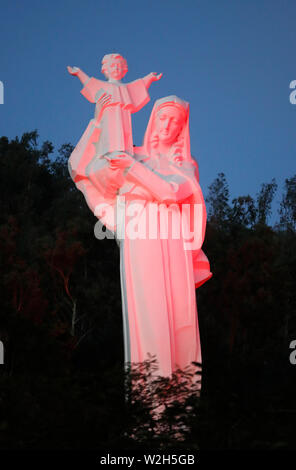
111,128
161,260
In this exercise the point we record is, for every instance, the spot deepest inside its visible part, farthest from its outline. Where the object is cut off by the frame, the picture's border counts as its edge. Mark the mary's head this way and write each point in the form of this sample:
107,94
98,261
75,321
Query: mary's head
168,128
169,121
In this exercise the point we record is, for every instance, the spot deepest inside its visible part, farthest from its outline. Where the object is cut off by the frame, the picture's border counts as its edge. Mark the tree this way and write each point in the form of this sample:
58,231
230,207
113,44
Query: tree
264,201
59,391
288,205
217,198
243,211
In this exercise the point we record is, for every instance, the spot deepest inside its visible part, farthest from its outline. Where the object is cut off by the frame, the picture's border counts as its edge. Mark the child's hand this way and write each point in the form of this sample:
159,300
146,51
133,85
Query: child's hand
155,77
73,70
151,77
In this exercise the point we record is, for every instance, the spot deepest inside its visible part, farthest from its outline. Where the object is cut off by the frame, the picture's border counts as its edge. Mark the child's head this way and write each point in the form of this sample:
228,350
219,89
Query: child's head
114,66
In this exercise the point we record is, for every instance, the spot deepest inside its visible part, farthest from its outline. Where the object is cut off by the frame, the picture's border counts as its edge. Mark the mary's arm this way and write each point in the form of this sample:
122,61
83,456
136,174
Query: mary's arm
180,187
163,190
91,194
101,207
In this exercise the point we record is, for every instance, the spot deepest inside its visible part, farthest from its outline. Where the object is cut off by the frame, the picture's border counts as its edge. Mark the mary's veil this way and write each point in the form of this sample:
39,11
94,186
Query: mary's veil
187,166
183,141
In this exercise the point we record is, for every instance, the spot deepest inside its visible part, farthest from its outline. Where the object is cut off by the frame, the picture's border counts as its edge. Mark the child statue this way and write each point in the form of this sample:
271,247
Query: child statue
111,129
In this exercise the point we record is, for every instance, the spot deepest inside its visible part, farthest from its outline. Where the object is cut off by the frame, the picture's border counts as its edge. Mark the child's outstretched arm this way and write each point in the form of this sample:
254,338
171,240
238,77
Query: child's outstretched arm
78,73
151,77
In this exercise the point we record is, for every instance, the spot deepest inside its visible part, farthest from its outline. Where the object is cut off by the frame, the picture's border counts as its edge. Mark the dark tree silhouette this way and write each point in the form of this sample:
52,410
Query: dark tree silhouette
63,384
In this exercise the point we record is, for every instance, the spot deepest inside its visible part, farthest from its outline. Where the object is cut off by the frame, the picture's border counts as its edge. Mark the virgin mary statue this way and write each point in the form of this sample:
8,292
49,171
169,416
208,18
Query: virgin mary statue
160,229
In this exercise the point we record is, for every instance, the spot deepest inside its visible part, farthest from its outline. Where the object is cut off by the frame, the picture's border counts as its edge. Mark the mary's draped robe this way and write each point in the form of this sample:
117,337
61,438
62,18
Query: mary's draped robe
158,275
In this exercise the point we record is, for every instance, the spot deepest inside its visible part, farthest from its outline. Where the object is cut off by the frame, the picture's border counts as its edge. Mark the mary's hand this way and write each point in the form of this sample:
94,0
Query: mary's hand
103,99
176,156
120,160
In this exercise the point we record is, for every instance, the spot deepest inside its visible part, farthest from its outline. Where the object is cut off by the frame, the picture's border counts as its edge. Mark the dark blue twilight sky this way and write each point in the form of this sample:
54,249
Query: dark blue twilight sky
233,60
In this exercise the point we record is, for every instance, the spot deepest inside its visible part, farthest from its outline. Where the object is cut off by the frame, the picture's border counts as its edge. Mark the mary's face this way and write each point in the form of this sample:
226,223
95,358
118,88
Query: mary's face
169,122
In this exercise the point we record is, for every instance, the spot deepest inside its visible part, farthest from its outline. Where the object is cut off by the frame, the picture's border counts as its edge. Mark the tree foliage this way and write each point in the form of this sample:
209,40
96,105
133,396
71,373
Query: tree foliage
288,205
63,384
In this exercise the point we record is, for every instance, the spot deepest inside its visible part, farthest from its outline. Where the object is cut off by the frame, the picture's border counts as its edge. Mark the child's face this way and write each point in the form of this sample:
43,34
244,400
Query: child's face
115,69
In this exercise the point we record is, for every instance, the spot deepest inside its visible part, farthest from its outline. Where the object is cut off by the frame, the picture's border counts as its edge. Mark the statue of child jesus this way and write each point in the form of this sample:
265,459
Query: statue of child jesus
111,129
